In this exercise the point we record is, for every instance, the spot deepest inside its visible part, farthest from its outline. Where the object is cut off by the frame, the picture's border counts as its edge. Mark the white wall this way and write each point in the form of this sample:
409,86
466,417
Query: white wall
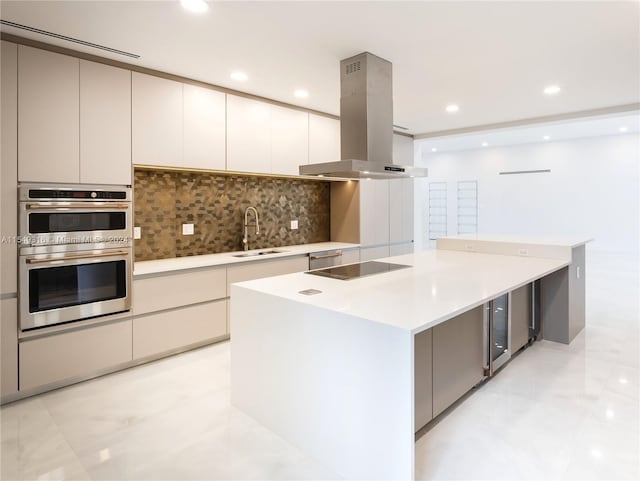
592,190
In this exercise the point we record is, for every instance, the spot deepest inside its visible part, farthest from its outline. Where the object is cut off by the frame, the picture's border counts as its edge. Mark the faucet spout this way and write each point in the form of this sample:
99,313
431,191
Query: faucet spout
245,238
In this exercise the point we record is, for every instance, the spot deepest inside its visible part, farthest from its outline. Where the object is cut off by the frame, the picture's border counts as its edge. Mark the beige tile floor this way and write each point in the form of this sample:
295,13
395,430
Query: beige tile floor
556,412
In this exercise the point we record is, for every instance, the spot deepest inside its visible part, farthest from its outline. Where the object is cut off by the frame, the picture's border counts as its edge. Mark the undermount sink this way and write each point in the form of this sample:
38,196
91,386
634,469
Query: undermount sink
256,254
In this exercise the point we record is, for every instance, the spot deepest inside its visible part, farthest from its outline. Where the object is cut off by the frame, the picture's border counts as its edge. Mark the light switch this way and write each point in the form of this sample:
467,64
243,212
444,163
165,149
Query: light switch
137,233
294,224
187,229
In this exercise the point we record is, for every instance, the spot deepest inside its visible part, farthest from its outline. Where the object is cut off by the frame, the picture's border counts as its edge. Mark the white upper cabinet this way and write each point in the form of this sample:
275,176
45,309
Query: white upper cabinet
48,116
402,150
157,121
401,210
374,212
105,124
289,140
204,129
248,135
324,139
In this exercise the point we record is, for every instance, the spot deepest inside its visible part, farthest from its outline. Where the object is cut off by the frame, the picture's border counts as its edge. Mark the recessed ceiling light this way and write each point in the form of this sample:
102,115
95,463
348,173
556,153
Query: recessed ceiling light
320,175
197,6
485,144
434,150
239,76
365,172
452,108
623,129
551,90
546,137
301,94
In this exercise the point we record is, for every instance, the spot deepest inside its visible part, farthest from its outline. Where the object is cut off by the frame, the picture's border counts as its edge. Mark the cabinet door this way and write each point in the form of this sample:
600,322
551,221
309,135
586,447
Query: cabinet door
9,167
9,346
105,124
157,120
520,317
400,210
457,358
204,129
374,212
248,135
48,116
372,253
423,379
289,140
324,139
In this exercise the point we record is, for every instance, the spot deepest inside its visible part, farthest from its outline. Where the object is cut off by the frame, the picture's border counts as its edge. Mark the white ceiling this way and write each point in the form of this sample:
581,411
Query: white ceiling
555,131
491,58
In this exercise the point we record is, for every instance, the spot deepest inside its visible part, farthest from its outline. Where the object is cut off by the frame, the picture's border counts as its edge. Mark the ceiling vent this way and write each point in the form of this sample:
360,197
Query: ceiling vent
68,39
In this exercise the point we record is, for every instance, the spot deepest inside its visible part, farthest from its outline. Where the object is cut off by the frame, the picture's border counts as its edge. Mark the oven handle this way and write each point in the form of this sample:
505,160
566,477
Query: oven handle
79,205
35,260
325,256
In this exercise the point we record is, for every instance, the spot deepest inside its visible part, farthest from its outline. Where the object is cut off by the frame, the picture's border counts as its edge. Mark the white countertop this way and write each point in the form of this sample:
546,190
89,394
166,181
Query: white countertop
558,241
143,268
440,285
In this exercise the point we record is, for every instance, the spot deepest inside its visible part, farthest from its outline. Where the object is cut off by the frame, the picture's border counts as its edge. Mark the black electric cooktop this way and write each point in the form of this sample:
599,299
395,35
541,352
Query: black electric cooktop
355,271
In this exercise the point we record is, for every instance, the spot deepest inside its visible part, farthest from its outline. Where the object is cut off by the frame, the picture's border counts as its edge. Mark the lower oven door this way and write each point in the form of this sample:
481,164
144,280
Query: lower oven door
66,287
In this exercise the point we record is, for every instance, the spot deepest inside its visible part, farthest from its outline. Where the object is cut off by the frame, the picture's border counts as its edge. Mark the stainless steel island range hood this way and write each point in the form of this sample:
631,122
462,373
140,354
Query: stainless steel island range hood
366,124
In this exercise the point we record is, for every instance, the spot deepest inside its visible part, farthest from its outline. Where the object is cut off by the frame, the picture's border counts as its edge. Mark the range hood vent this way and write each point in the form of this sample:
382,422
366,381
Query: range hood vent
366,124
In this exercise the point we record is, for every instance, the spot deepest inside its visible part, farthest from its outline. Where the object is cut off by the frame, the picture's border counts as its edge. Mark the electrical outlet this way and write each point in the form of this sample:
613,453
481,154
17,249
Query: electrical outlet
470,247
294,224
523,252
137,233
187,229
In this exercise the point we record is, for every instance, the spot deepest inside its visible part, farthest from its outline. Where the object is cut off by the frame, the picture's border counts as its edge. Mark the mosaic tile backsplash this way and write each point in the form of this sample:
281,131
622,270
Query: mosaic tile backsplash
215,204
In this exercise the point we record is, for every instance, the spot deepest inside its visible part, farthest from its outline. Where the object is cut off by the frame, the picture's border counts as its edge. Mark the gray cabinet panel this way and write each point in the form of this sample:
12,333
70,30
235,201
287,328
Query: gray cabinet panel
457,358
9,167
520,317
9,346
423,378
105,124
49,113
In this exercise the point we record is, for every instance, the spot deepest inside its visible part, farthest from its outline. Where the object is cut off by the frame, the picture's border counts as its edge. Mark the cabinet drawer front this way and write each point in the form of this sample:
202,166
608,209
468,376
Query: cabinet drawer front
165,331
74,354
258,270
178,289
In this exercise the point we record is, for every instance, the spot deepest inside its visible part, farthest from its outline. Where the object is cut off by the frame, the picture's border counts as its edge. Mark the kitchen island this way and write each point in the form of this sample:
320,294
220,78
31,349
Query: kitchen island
331,365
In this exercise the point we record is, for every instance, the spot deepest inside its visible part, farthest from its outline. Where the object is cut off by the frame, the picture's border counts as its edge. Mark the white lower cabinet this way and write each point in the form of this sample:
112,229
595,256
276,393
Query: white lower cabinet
258,270
177,289
165,331
74,354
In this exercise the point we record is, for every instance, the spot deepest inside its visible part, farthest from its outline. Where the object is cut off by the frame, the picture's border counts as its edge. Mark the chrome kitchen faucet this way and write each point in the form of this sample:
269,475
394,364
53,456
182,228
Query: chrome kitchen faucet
245,239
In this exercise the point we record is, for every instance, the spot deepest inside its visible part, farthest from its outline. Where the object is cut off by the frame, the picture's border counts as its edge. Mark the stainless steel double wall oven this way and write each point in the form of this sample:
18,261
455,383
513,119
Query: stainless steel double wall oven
75,253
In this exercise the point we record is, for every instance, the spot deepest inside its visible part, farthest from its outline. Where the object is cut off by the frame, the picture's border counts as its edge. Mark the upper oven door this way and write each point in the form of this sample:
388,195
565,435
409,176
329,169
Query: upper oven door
57,288
60,223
